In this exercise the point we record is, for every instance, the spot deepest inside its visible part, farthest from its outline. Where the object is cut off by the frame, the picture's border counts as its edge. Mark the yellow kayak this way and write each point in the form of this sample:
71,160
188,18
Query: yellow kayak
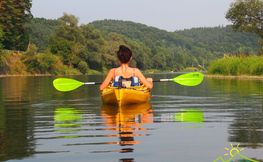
125,96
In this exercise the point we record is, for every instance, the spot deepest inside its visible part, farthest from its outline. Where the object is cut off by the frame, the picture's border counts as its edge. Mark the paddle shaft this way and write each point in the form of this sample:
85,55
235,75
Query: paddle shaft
155,80
87,83
162,80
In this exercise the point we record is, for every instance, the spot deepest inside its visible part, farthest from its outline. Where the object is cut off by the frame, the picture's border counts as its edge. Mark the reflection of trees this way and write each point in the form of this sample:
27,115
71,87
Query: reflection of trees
19,119
16,128
127,120
235,85
16,135
247,128
247,125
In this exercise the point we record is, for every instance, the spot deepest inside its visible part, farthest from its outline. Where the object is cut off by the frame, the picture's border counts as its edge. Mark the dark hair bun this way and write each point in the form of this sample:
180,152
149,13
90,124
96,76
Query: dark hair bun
122,47
124,54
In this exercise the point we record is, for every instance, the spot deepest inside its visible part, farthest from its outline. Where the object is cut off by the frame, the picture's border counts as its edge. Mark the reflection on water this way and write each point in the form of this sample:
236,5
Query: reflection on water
66,118
38,123
127,120
16,138
247,126
189,116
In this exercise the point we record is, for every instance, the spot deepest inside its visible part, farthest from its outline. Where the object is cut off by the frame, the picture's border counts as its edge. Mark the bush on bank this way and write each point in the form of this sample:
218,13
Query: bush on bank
27,63
237,66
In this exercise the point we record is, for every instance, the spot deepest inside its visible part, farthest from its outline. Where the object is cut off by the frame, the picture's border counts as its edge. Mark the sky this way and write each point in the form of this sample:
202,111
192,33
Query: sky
170,15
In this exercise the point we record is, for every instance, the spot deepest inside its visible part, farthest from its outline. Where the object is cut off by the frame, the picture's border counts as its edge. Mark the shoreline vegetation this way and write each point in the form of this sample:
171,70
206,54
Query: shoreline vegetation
233,77
205,76
29,63
239,66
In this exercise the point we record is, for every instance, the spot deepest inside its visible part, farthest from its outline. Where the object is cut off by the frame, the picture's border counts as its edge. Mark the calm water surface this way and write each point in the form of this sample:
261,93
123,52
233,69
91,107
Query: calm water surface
179,124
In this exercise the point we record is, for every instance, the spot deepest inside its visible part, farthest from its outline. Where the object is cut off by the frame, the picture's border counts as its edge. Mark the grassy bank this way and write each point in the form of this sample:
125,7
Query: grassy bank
237,66
31,64
233,77
28,64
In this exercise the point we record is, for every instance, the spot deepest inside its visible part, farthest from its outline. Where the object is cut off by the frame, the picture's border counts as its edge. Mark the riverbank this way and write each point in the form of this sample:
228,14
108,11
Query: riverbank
241,65
205,76
233,77
25,75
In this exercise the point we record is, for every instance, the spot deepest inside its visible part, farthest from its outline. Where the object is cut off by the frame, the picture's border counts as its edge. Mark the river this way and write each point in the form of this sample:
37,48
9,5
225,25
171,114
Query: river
217,118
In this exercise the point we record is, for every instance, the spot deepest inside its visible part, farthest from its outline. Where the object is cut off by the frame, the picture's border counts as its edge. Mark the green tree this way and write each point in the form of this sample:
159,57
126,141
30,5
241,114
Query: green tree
1,46
69,29
61,47
83,66
68,40
140,54
29,58
76,47
180,60
95,47
2,34
109,57
247,15
13,15
40,31
159,61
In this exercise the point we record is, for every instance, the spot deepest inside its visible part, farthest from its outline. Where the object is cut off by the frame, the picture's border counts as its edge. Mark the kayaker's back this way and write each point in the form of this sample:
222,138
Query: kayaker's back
124,55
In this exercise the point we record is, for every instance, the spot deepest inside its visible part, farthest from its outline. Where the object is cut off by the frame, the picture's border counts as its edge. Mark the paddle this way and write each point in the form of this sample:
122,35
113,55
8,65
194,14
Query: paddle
66,84
188,79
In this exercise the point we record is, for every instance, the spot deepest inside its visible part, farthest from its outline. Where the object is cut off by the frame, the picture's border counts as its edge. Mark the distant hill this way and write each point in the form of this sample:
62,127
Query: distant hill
222,37
213,39
150,36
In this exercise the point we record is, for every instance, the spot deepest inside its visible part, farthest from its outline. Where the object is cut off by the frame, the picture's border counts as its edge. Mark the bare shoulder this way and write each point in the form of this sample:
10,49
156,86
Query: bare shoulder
110,73
111,70
138,72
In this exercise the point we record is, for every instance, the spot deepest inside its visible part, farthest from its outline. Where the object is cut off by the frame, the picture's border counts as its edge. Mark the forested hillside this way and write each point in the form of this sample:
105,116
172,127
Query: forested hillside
219,39
223,39
93,46
40,30
186,46
212,37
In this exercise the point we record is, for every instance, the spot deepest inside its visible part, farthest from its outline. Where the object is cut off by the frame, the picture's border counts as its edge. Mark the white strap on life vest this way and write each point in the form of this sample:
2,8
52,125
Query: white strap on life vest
116,79
136,80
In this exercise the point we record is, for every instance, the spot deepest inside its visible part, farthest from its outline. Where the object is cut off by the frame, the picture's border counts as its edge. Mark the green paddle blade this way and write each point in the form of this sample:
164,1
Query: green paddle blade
65,84
190,116
189,79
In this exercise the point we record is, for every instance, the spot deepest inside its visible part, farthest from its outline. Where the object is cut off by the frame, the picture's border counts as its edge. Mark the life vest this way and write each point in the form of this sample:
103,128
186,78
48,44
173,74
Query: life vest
126,82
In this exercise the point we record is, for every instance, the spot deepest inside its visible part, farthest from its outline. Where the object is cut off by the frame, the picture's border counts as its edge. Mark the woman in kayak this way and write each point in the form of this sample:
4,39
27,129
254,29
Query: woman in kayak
125,56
